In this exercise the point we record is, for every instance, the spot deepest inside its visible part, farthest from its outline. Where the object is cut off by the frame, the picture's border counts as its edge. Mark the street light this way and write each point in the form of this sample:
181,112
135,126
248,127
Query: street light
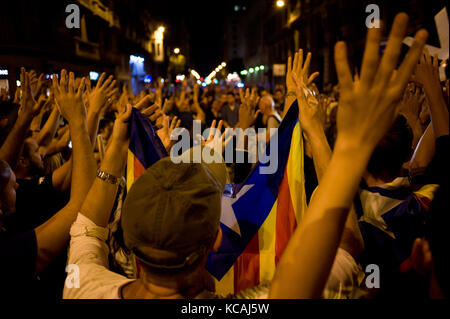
224,64
161,29
280,3
176,51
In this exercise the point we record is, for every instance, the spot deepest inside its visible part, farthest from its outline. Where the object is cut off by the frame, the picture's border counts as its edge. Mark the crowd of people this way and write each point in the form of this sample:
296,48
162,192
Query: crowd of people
376,180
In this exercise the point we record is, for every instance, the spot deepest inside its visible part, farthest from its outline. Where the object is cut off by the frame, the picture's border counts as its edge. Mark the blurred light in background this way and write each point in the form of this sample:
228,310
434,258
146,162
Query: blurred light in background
176,50
18,83
251,70
224,64
136,59
161,29
93,76
148,79
3,72
280,3
240,85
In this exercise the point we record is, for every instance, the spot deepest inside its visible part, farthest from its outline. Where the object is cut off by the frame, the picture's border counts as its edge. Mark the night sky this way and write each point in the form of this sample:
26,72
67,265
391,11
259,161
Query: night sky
204,23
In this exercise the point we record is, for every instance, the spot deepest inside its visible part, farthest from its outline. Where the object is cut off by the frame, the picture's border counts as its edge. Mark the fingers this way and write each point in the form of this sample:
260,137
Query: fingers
107,82
144,103
393,50
125,116
295,65
81,87
371,57
55,84
410,61
305,69
100,80
342,68
289,64
298,67
219,127
63,81
312,77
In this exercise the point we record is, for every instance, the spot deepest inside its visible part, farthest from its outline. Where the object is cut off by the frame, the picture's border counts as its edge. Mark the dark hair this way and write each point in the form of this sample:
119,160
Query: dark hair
392,151
5,174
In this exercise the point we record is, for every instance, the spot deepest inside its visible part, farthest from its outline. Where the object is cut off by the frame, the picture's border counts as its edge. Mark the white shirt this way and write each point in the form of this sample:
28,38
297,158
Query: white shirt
89,252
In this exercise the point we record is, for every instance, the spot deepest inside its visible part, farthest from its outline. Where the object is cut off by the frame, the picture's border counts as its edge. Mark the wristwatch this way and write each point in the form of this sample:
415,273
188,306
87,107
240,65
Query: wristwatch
111,179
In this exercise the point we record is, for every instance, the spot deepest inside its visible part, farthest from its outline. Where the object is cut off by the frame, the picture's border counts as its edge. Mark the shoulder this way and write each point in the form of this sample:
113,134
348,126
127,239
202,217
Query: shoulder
92,282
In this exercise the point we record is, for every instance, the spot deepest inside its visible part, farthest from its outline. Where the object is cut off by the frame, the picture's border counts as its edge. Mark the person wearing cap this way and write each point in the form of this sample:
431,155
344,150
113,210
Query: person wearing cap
170,221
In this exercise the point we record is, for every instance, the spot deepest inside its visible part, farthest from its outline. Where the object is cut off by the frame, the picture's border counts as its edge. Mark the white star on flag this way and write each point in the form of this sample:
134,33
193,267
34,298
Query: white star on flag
228,217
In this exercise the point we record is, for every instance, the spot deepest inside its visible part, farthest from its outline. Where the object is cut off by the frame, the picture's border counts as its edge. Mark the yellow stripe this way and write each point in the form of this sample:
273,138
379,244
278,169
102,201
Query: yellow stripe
427,191
266,237
226,285
295,172
130,169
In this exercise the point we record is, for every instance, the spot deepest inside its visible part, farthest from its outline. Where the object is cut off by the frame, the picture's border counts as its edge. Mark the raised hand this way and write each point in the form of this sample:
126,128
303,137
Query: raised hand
166,131
119,135
104,90
154,114
301,69
427,71
68,99
29,108
367,108
247,113
309,113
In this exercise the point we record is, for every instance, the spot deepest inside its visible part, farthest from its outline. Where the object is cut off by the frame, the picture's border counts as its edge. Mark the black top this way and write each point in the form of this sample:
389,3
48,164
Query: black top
36,202
18,254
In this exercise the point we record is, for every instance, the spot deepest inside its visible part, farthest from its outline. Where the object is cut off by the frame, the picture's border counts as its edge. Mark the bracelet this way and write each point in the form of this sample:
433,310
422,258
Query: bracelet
291,93
111,179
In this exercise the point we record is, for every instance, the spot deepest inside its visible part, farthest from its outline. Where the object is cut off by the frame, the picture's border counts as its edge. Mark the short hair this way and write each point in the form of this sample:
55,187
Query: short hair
392,151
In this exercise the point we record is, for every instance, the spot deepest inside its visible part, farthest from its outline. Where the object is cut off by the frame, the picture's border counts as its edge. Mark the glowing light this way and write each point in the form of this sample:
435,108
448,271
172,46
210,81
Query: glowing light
195,74
148,79
161,29
244,72
261,67
240,85
220,67
180,77
257,69
93,76
176,50
204,84
217,70
199,82
18,83
224,64
216,82
280,3
251,70
3,72
136,59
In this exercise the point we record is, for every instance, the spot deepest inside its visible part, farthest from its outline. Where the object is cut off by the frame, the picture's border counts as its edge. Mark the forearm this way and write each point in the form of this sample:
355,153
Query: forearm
321,227
100,199
93,120
36,122
47,133
12,147
424,151
321,151
438,109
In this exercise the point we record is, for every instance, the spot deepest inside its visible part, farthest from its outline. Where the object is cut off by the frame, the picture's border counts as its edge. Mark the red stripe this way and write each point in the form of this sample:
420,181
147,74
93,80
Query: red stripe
286,222
246,267
138,168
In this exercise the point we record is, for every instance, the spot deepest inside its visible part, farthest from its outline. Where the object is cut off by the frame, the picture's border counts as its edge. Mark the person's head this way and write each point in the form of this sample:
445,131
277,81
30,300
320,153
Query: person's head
278,95
8,188
171,220
230,98
30,161
392,151
266,105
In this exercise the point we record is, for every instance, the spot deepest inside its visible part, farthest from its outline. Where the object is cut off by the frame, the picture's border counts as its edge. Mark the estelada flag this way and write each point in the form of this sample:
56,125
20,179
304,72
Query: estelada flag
260,215
145,147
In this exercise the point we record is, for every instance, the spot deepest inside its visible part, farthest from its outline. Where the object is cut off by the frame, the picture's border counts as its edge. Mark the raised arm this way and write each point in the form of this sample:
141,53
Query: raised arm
12,147
52,237
366,112
427,73
47,133
302,70
100,199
